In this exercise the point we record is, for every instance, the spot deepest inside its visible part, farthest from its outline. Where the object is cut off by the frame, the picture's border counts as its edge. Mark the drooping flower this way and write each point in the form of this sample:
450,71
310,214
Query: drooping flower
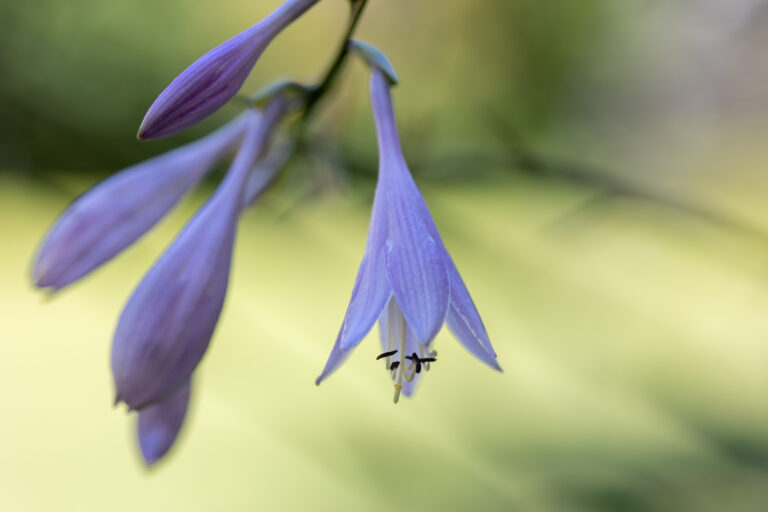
407,280
166,327
159,424
215,78
118,211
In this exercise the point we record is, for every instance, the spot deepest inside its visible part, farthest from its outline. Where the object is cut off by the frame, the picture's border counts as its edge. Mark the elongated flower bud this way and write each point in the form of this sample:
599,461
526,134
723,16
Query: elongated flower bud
168,322
158,425
215,78
114,214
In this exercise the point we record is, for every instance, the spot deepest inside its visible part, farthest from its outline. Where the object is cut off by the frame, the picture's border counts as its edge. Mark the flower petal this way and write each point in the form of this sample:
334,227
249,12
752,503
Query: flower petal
369,293
215,78
465,323
371,289
337,357
117,212
414,261
168,322
416,271
158,425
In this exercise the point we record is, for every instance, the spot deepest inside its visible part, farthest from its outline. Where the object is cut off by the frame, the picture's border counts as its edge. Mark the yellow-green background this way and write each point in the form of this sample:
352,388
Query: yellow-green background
623,278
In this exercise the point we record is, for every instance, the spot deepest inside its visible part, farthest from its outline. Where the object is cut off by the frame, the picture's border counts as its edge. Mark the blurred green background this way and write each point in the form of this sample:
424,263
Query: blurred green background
597,170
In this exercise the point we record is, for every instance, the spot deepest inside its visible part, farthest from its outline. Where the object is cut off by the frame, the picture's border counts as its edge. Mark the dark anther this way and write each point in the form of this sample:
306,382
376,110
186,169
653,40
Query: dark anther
394,365
386,354
418,360
415,359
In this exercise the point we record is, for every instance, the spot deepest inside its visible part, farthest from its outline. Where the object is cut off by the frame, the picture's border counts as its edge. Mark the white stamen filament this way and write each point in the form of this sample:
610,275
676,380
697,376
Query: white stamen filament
400,327
396,338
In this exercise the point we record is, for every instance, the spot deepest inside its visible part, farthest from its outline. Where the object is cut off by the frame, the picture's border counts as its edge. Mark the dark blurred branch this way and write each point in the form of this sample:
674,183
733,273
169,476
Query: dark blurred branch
316,95
608,184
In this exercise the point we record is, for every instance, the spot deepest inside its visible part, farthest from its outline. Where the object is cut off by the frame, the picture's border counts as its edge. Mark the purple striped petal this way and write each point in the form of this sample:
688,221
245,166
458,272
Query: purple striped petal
465,323
118,211
168,322
215,78
415,264
369,293
416,271
371,289
158,425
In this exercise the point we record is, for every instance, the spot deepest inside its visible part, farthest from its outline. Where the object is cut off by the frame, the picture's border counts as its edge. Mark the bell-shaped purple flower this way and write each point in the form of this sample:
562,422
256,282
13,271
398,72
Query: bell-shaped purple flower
166,326
215,78
159,424
407,280
118,211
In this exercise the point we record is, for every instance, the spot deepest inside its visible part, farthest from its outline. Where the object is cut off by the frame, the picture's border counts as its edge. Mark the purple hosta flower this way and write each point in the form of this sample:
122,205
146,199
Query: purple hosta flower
118,211
160,423
215,78
168,322
407,280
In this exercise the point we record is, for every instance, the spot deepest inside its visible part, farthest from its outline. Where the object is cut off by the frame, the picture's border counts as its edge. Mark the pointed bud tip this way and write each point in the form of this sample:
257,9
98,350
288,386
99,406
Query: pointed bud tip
119,399
45,282
141,136
149,462
154,447
39,281
149,131
40,271
150,456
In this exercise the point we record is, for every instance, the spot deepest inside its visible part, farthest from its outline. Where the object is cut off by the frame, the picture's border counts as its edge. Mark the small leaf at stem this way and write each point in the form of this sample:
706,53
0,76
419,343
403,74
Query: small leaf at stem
374,58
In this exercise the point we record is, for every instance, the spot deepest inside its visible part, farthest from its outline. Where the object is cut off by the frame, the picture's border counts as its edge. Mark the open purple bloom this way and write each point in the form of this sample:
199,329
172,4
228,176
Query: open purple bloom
215,78
118,211
407,280
166,327
158,425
